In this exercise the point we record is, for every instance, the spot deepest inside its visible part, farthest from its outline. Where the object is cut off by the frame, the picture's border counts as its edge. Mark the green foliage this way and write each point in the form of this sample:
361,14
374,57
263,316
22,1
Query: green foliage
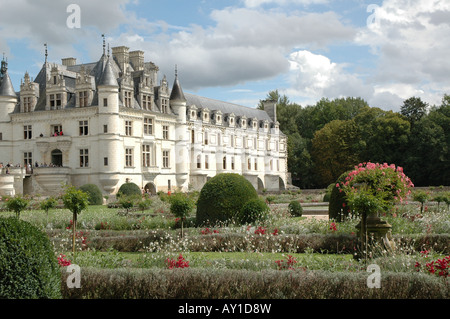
48,204
338,206
75,200
28,266
222,197
17,204
295,208
255,210
326,197
144,204
128,189
422,197
94,192
127,201
181,205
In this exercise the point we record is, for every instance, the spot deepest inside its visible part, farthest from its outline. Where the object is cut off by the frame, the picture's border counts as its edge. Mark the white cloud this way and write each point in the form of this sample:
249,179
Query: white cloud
258,3
314,76
411,39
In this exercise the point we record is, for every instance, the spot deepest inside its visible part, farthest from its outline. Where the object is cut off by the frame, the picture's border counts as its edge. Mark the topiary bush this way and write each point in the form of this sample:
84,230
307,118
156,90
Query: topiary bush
326,197
338,206
129,189
94,192
28,266
295,208
222,198
255,210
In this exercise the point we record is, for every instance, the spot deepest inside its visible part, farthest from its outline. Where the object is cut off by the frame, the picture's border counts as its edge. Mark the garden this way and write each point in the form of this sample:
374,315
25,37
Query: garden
200,246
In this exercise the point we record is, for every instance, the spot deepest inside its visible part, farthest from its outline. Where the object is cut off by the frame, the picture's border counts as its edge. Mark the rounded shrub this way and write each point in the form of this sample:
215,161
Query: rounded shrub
94,192
326,197
254,210
28,266
129,189
295,208
338,206
222,198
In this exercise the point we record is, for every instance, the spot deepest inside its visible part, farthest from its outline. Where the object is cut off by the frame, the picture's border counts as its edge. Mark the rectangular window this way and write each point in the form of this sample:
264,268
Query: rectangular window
224,165
105,161
84,158
148,126
105,128
146,155
206,162
84,128
83,97
232,163
146,102
206,138
27,159
164,106
166,159
1,136
128,128
129,157
27,104
192,136
165,132
58,101
105,102
127,98
256,164
27,132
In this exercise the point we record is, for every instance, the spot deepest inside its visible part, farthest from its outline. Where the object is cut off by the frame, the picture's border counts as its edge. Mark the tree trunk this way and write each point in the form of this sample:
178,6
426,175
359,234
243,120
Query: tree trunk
73,232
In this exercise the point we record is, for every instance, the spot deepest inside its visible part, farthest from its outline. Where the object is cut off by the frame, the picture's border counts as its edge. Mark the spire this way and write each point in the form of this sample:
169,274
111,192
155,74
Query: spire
177,94
6,87
108,78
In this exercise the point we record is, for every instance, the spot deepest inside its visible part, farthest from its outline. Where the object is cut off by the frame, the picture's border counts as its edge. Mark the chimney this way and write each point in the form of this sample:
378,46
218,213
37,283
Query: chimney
270,106
122,56
69,61
137,60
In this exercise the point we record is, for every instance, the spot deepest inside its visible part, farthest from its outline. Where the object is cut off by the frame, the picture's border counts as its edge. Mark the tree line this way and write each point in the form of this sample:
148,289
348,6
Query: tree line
332,136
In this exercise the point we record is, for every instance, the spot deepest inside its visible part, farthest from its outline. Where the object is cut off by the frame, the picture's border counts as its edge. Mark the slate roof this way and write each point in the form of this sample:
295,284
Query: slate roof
6,87
226,107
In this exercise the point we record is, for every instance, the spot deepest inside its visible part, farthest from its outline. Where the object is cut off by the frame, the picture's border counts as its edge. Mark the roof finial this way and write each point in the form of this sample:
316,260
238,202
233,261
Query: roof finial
108,50
46,52
104,45
176,70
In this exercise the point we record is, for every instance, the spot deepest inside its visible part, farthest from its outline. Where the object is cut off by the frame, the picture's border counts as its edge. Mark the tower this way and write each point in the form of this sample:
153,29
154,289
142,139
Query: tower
178,104
8,97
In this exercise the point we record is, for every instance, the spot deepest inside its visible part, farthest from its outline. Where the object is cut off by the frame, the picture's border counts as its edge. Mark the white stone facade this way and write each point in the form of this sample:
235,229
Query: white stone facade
116,123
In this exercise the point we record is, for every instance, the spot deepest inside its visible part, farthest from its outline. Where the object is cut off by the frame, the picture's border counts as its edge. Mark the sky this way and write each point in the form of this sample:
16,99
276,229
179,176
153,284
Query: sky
239,50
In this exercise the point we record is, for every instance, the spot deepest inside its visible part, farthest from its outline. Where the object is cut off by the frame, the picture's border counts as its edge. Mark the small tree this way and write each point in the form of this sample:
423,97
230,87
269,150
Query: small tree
144,204
48,204
76,201
127,202
421,197
17,204
181,206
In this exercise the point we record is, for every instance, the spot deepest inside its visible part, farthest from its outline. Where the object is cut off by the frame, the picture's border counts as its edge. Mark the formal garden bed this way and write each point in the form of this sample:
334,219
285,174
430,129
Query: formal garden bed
141,252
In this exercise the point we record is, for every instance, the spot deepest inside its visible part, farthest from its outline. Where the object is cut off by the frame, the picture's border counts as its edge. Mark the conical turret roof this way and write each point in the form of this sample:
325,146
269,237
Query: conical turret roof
177,94
108,77
6,87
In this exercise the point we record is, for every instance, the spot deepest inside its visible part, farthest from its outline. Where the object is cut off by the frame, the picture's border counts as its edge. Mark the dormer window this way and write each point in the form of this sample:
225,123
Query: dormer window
127,98
165,106
55,101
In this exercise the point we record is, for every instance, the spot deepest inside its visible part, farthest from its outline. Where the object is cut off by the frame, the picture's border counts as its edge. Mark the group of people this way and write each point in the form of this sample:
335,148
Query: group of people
58,133
6,168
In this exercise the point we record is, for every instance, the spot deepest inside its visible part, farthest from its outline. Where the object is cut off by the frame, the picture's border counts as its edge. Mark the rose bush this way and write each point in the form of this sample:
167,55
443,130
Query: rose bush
385,185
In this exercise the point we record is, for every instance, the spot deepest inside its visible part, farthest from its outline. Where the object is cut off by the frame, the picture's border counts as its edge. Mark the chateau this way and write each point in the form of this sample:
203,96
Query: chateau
113,121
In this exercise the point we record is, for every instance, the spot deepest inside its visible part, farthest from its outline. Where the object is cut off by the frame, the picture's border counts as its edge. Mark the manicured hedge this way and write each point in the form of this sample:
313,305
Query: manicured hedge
244,284
333,243
28,266
222,198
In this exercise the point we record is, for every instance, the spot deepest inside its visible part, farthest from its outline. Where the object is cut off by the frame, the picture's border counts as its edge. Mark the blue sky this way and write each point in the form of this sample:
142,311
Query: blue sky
239,50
